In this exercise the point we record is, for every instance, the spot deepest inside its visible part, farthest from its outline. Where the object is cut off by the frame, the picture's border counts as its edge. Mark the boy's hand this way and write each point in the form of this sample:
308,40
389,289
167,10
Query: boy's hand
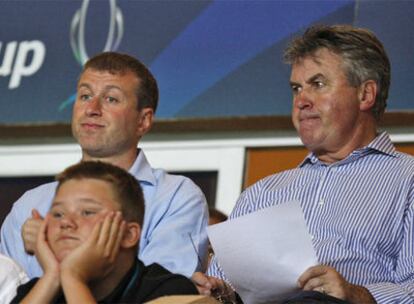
96,256
44,254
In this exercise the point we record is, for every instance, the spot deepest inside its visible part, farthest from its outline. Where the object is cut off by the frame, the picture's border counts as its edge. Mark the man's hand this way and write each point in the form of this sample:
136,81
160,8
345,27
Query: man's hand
211,286
327,280
96,256
30,231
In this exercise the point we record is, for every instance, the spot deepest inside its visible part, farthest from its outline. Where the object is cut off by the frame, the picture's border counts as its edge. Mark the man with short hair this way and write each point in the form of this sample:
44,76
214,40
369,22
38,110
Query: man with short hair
88,242
116,100
356,191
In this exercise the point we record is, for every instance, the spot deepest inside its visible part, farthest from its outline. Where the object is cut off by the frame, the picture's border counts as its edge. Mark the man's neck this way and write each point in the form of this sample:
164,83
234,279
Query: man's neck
360,139
124,161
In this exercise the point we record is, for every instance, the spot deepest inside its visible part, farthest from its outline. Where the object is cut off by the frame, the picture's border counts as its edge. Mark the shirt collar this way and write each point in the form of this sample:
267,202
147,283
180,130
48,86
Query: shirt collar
381,144
142,170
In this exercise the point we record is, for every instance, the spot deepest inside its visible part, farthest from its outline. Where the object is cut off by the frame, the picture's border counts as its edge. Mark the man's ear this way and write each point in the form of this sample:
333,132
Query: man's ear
146,117
367,95
132,235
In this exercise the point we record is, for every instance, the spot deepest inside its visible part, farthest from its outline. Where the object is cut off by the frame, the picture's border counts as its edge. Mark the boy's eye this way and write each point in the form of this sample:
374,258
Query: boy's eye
87,212
56,214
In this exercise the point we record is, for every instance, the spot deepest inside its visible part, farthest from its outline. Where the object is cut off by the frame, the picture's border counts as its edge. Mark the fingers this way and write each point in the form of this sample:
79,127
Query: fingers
117,244
314,284
202,283
114,237
30,230
107,234
41,235
310,273
324,279
36,215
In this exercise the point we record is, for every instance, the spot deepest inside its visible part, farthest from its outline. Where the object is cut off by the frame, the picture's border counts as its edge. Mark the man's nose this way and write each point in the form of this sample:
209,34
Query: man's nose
94,106
302,99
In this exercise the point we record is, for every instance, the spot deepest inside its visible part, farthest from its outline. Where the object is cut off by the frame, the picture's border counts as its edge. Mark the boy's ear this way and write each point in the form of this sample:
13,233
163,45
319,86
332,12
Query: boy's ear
131,236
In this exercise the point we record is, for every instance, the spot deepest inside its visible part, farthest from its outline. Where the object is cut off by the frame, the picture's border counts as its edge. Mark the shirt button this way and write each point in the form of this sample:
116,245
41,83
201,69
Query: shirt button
321,202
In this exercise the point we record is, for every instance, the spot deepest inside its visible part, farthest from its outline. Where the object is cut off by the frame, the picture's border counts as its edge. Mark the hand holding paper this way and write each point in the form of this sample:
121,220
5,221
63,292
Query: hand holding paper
264,253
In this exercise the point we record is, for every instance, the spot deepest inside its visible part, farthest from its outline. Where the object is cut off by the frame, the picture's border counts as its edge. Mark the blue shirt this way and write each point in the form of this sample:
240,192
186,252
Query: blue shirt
359,212
174,227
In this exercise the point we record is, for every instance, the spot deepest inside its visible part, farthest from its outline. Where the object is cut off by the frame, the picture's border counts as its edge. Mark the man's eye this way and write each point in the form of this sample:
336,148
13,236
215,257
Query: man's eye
85,97
295,89
318,84
111,99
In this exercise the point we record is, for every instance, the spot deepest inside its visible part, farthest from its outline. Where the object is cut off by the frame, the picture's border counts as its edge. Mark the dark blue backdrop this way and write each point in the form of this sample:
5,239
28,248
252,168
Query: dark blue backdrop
211,58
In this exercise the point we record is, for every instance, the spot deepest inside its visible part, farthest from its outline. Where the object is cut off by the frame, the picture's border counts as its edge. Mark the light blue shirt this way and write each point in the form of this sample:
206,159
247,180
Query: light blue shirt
175,221
359,211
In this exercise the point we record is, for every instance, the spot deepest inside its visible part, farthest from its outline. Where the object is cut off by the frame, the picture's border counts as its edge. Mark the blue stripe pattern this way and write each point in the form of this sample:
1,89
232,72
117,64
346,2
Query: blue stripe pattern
359,212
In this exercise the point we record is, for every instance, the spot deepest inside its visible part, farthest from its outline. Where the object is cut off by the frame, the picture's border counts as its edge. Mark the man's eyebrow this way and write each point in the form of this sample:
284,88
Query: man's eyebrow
314,77
110,87
293,83
84,85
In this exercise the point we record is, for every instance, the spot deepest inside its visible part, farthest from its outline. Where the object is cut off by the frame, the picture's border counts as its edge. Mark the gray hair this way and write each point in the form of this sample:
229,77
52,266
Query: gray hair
364,56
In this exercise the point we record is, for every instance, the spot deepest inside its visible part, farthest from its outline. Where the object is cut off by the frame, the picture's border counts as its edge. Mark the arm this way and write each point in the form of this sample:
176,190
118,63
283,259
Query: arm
398,290
94,259
401,290
172,224
11,236
47,287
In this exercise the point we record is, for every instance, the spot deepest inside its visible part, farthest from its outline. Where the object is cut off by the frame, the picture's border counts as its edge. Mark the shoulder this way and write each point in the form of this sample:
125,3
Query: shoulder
254,197
173,192
8,266
158,179
39,198
276,180
175,182
404,160
158,281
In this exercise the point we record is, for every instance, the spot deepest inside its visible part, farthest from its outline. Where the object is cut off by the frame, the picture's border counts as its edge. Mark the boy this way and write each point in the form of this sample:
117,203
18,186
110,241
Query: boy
88,243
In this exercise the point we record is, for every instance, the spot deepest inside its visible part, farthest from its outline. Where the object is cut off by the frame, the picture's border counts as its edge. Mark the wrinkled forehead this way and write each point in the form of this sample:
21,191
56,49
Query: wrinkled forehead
323,60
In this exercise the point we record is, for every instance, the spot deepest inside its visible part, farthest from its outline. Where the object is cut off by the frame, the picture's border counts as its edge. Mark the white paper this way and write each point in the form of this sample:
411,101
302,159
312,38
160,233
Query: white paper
264,253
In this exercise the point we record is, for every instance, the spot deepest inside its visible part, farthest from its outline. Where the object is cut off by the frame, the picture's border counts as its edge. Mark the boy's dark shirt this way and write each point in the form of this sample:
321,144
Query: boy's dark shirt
140,284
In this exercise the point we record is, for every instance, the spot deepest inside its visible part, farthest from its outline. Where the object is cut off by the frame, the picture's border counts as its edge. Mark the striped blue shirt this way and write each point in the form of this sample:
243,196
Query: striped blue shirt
359,212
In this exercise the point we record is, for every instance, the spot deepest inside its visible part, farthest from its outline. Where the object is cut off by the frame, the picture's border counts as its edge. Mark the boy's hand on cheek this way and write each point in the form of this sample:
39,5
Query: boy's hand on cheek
44,254
96,256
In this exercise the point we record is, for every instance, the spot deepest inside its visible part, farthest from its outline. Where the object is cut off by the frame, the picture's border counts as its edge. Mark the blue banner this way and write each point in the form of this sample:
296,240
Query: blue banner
211,58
